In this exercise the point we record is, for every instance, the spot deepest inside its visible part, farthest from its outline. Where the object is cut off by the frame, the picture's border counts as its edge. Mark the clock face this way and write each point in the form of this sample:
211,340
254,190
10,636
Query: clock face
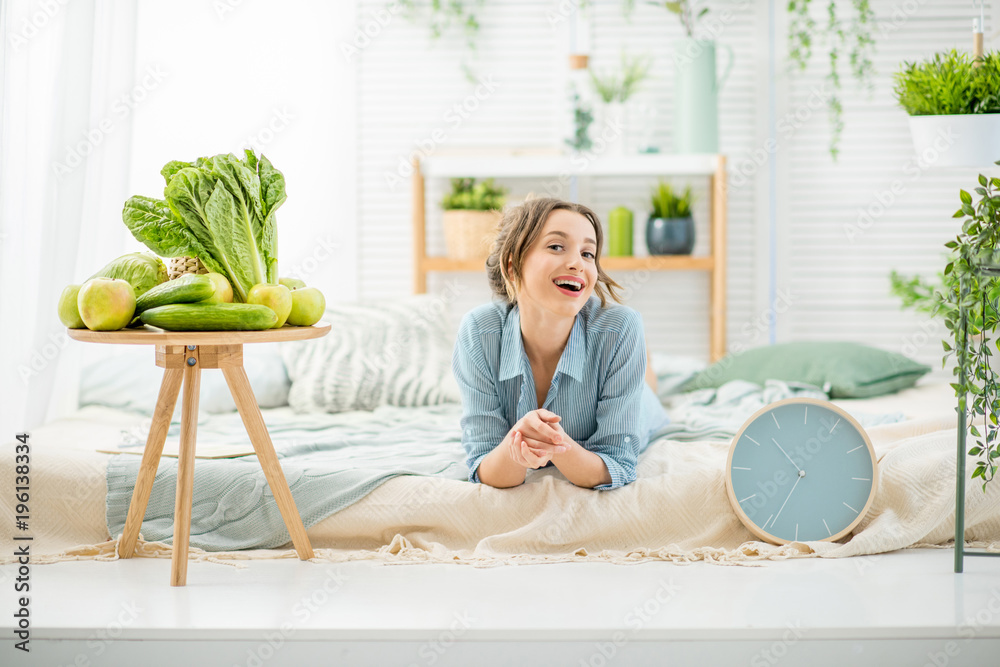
801,469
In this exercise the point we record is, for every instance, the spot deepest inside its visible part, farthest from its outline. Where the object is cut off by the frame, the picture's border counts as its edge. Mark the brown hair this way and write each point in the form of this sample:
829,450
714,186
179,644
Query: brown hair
519,229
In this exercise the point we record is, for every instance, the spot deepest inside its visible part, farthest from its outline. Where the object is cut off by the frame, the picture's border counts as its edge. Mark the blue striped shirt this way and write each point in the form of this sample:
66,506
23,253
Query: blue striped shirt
598,388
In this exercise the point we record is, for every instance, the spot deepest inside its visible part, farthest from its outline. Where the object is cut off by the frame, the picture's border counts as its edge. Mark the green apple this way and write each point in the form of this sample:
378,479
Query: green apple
276,297
308,305
291,283
106,304
69,312
223,290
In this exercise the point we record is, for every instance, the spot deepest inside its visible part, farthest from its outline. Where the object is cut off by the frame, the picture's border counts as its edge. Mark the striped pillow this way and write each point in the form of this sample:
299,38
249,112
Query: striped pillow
380,353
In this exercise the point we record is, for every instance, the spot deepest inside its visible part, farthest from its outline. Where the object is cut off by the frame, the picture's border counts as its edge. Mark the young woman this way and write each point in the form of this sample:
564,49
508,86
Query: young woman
551,374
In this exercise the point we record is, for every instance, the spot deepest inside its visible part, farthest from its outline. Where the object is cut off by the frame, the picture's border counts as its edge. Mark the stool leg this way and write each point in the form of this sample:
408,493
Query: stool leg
239,386
165,403
185,476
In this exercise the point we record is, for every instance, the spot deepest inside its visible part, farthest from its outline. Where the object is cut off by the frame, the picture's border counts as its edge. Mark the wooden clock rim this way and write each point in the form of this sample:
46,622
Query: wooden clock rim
747,521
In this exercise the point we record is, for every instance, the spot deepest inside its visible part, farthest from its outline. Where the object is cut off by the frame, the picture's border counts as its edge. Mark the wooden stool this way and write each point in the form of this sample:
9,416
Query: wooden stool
182,355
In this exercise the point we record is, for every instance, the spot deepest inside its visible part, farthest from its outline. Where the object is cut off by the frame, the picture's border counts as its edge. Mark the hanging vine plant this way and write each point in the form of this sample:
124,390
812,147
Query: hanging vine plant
851,36
976,267
443,14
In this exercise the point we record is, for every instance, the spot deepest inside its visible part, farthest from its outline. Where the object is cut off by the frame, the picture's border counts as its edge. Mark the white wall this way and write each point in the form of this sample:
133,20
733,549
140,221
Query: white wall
354,118
246,73
217,77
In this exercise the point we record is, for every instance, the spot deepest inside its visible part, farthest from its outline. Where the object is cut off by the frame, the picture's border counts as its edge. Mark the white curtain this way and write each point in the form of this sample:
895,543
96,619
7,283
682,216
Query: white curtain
68,67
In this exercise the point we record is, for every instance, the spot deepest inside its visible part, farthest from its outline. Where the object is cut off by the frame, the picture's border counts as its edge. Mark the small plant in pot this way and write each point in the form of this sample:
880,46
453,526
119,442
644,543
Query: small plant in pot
670,228
953,101
472,213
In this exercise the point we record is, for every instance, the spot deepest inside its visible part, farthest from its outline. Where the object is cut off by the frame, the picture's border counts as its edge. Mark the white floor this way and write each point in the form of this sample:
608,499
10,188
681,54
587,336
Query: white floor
901,608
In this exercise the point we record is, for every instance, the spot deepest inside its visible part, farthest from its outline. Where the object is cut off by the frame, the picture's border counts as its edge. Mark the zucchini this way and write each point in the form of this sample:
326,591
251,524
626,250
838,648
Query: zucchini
210,317
188,288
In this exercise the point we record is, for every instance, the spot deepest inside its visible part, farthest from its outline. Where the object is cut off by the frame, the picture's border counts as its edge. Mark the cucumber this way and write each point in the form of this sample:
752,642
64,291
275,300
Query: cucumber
210,317
186,289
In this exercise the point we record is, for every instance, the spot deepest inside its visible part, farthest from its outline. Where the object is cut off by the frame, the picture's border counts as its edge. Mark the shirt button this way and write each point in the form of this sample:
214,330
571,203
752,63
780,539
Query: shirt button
628,439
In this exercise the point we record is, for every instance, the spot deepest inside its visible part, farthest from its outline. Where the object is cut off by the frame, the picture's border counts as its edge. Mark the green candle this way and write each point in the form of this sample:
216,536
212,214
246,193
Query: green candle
620,232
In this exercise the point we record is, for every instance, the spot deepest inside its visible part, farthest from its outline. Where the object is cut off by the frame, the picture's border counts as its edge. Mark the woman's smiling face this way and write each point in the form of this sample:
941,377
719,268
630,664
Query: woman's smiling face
565,251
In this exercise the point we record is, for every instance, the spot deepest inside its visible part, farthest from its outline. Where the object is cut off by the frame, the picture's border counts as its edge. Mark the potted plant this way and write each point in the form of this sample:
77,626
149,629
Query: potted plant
955,97
472,212
670,228
615,91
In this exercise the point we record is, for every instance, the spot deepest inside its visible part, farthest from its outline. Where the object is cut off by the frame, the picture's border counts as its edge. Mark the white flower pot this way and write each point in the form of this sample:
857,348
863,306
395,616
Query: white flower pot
957,140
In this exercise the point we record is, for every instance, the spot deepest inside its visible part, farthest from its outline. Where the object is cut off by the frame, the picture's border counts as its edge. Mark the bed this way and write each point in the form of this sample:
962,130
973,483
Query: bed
390,484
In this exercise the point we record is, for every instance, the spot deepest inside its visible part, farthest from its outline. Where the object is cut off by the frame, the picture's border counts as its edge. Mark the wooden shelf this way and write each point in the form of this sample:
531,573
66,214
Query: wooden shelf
481,164
658,263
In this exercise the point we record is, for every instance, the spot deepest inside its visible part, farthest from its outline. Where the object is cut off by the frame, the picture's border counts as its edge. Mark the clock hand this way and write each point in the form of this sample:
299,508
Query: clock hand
786,500
786,455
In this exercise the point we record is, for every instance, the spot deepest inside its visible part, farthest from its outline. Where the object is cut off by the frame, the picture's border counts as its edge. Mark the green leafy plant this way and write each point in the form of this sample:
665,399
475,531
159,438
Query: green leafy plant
582,118
445,13
612,88
976,266
468,195
219,209
949,83
852,36
668,205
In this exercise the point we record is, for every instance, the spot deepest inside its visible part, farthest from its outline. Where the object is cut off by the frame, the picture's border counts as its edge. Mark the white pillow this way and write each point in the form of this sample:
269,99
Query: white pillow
130,380
392,352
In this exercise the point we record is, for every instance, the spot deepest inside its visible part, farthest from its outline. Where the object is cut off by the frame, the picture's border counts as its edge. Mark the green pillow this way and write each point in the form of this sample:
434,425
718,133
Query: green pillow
853,370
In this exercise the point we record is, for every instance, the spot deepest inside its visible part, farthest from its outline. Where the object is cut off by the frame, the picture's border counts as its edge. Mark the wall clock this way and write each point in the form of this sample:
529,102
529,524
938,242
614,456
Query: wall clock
801,469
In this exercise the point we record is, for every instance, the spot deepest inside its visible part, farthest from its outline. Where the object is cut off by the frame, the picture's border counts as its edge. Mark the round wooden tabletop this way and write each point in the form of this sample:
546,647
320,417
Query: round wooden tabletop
147,335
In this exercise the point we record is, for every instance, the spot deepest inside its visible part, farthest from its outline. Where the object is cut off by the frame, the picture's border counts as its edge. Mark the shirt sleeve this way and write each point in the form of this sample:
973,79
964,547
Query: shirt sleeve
619,408
483,423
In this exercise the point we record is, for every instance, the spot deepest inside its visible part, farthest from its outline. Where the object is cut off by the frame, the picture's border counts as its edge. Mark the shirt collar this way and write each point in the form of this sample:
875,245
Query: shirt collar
570,363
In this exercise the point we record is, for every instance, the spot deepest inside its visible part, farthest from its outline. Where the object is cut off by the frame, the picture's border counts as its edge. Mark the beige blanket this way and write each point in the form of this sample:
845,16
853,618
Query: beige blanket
676,510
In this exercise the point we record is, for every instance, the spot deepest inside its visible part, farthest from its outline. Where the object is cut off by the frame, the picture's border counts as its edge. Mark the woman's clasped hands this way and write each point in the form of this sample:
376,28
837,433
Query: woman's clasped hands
536,437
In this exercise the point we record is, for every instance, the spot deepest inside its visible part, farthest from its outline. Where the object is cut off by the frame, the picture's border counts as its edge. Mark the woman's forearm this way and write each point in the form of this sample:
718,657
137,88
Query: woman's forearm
499,470
581,466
